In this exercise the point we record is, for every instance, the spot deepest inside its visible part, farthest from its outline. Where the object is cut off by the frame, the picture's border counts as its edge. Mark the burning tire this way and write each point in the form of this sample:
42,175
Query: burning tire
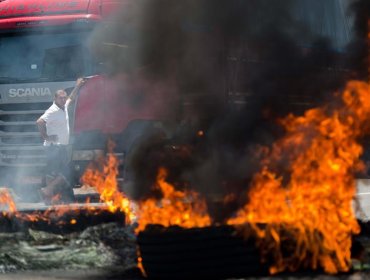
214,252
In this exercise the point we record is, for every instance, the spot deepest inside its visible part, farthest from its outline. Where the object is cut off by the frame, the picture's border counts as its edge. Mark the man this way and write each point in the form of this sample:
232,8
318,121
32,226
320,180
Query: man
53,126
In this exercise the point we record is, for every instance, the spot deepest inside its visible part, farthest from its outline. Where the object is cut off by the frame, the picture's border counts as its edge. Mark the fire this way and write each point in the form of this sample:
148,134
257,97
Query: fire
105,181
7,204
49,215
307,186
182,208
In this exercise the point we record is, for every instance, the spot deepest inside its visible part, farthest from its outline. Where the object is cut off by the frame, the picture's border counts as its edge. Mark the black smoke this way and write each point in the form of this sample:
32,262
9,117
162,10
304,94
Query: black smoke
239,66
359,46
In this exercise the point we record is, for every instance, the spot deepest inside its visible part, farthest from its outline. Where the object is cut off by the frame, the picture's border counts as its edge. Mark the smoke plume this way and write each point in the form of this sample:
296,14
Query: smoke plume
238,67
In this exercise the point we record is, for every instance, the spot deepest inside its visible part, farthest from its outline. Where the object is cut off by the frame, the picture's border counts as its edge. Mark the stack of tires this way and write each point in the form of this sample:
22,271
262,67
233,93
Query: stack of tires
212,252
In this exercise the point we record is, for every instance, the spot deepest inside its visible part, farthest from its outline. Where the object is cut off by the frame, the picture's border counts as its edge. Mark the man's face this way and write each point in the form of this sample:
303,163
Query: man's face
60,99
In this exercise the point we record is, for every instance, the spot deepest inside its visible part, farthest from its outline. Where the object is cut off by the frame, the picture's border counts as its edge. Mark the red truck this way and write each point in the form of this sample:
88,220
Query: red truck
44,47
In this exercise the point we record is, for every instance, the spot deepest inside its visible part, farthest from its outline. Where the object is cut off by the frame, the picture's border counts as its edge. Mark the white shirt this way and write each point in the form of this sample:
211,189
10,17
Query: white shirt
57,123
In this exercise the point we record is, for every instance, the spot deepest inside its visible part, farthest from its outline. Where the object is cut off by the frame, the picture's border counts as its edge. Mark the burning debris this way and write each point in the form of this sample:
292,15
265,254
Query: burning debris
308,183
302,198
304,192
182,208
56,218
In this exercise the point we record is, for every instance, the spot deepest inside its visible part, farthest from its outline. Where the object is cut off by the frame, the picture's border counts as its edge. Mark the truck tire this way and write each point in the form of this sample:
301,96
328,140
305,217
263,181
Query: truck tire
213,252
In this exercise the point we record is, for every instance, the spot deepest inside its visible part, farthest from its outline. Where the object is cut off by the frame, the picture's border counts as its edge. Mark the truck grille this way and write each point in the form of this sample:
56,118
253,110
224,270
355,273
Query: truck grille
20,141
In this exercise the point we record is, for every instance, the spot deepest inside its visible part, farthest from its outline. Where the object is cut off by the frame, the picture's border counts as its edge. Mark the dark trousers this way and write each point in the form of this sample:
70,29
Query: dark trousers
57,162
58,165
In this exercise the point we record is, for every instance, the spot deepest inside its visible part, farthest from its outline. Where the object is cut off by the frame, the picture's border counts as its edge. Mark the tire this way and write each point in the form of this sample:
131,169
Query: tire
213,252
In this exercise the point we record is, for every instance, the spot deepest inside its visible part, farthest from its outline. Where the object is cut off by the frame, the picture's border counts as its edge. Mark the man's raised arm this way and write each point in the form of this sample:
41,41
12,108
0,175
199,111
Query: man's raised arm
79,83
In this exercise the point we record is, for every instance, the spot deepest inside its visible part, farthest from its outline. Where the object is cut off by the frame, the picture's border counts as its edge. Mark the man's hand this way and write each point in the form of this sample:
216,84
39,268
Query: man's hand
80,82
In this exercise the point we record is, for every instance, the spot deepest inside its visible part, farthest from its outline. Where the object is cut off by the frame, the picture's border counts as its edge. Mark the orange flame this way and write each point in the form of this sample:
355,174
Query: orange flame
105,181
368,47
184,209
7,204
314,203
50,215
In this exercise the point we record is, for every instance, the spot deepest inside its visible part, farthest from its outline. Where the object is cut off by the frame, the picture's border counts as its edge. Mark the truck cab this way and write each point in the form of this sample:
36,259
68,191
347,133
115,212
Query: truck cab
45,46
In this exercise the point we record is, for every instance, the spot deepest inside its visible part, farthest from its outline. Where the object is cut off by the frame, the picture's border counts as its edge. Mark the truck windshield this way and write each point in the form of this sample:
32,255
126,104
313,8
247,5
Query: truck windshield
28,57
